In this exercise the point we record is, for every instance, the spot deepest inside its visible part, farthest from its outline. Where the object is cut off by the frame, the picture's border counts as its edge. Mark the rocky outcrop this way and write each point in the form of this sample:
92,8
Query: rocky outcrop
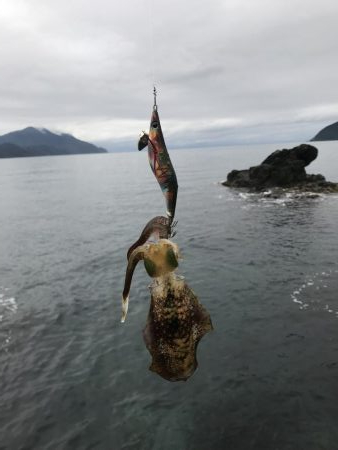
284,169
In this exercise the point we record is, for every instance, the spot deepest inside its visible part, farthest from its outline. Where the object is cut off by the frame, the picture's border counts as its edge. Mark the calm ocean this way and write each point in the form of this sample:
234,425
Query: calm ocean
74,377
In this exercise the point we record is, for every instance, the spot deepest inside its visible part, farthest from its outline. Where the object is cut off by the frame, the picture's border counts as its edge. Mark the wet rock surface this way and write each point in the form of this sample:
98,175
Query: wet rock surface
283,169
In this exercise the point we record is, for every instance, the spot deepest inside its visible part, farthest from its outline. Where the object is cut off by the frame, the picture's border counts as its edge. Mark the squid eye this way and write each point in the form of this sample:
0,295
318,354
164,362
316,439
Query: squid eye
154,125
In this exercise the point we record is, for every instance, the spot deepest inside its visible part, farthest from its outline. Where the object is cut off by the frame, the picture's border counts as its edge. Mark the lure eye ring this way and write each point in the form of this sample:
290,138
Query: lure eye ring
154,124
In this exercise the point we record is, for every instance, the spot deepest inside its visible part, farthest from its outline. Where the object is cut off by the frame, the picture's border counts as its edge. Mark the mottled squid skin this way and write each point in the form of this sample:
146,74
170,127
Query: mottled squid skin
160,162
175,325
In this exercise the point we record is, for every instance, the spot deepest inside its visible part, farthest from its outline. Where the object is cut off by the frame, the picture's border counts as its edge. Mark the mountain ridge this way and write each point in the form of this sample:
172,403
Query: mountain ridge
329,133
31,141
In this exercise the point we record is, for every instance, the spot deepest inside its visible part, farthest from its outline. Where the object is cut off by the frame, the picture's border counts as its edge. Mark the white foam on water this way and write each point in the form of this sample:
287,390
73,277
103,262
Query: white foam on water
314,284
279,197
245,195
295,299
8,307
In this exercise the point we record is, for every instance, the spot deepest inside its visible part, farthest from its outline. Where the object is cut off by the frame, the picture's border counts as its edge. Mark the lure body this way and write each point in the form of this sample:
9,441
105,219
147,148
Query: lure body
160,162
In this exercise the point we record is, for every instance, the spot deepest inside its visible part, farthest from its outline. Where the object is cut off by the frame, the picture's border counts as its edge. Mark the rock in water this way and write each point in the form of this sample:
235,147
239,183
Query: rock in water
304,153
283,168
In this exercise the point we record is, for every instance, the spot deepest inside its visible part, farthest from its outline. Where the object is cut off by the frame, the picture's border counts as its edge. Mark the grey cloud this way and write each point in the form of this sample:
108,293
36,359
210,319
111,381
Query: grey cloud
87,69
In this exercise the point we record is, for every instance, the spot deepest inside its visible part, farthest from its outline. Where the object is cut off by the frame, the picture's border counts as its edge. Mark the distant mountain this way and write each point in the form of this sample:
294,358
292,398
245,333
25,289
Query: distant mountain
8,150
329,133
42,142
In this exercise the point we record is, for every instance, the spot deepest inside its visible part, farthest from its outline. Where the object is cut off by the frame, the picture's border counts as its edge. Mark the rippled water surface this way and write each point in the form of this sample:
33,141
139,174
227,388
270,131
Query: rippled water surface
73,377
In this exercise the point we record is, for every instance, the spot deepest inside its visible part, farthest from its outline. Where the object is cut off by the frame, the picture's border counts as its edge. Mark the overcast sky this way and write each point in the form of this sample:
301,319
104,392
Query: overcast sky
227,71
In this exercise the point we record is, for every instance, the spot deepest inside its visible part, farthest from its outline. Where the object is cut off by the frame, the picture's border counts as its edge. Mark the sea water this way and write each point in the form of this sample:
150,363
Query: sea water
74,377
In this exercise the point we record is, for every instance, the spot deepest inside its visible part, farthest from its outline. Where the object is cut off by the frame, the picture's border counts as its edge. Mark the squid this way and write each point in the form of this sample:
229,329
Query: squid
176,320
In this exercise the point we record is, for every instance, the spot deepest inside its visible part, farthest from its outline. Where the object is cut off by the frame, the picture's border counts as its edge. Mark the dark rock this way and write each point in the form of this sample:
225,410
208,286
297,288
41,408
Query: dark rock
314,178
304,153
284,169
239,178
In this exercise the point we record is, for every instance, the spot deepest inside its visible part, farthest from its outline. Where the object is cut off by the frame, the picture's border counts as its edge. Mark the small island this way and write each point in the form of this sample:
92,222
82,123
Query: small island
41,142
329,133
283,169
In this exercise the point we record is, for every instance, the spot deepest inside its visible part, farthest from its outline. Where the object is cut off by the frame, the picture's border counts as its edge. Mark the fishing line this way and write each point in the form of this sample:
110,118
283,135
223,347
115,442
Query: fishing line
151,38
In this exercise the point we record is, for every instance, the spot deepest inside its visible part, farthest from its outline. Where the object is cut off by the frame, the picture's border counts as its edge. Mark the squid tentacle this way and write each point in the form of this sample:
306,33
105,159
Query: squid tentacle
159,259
136,256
